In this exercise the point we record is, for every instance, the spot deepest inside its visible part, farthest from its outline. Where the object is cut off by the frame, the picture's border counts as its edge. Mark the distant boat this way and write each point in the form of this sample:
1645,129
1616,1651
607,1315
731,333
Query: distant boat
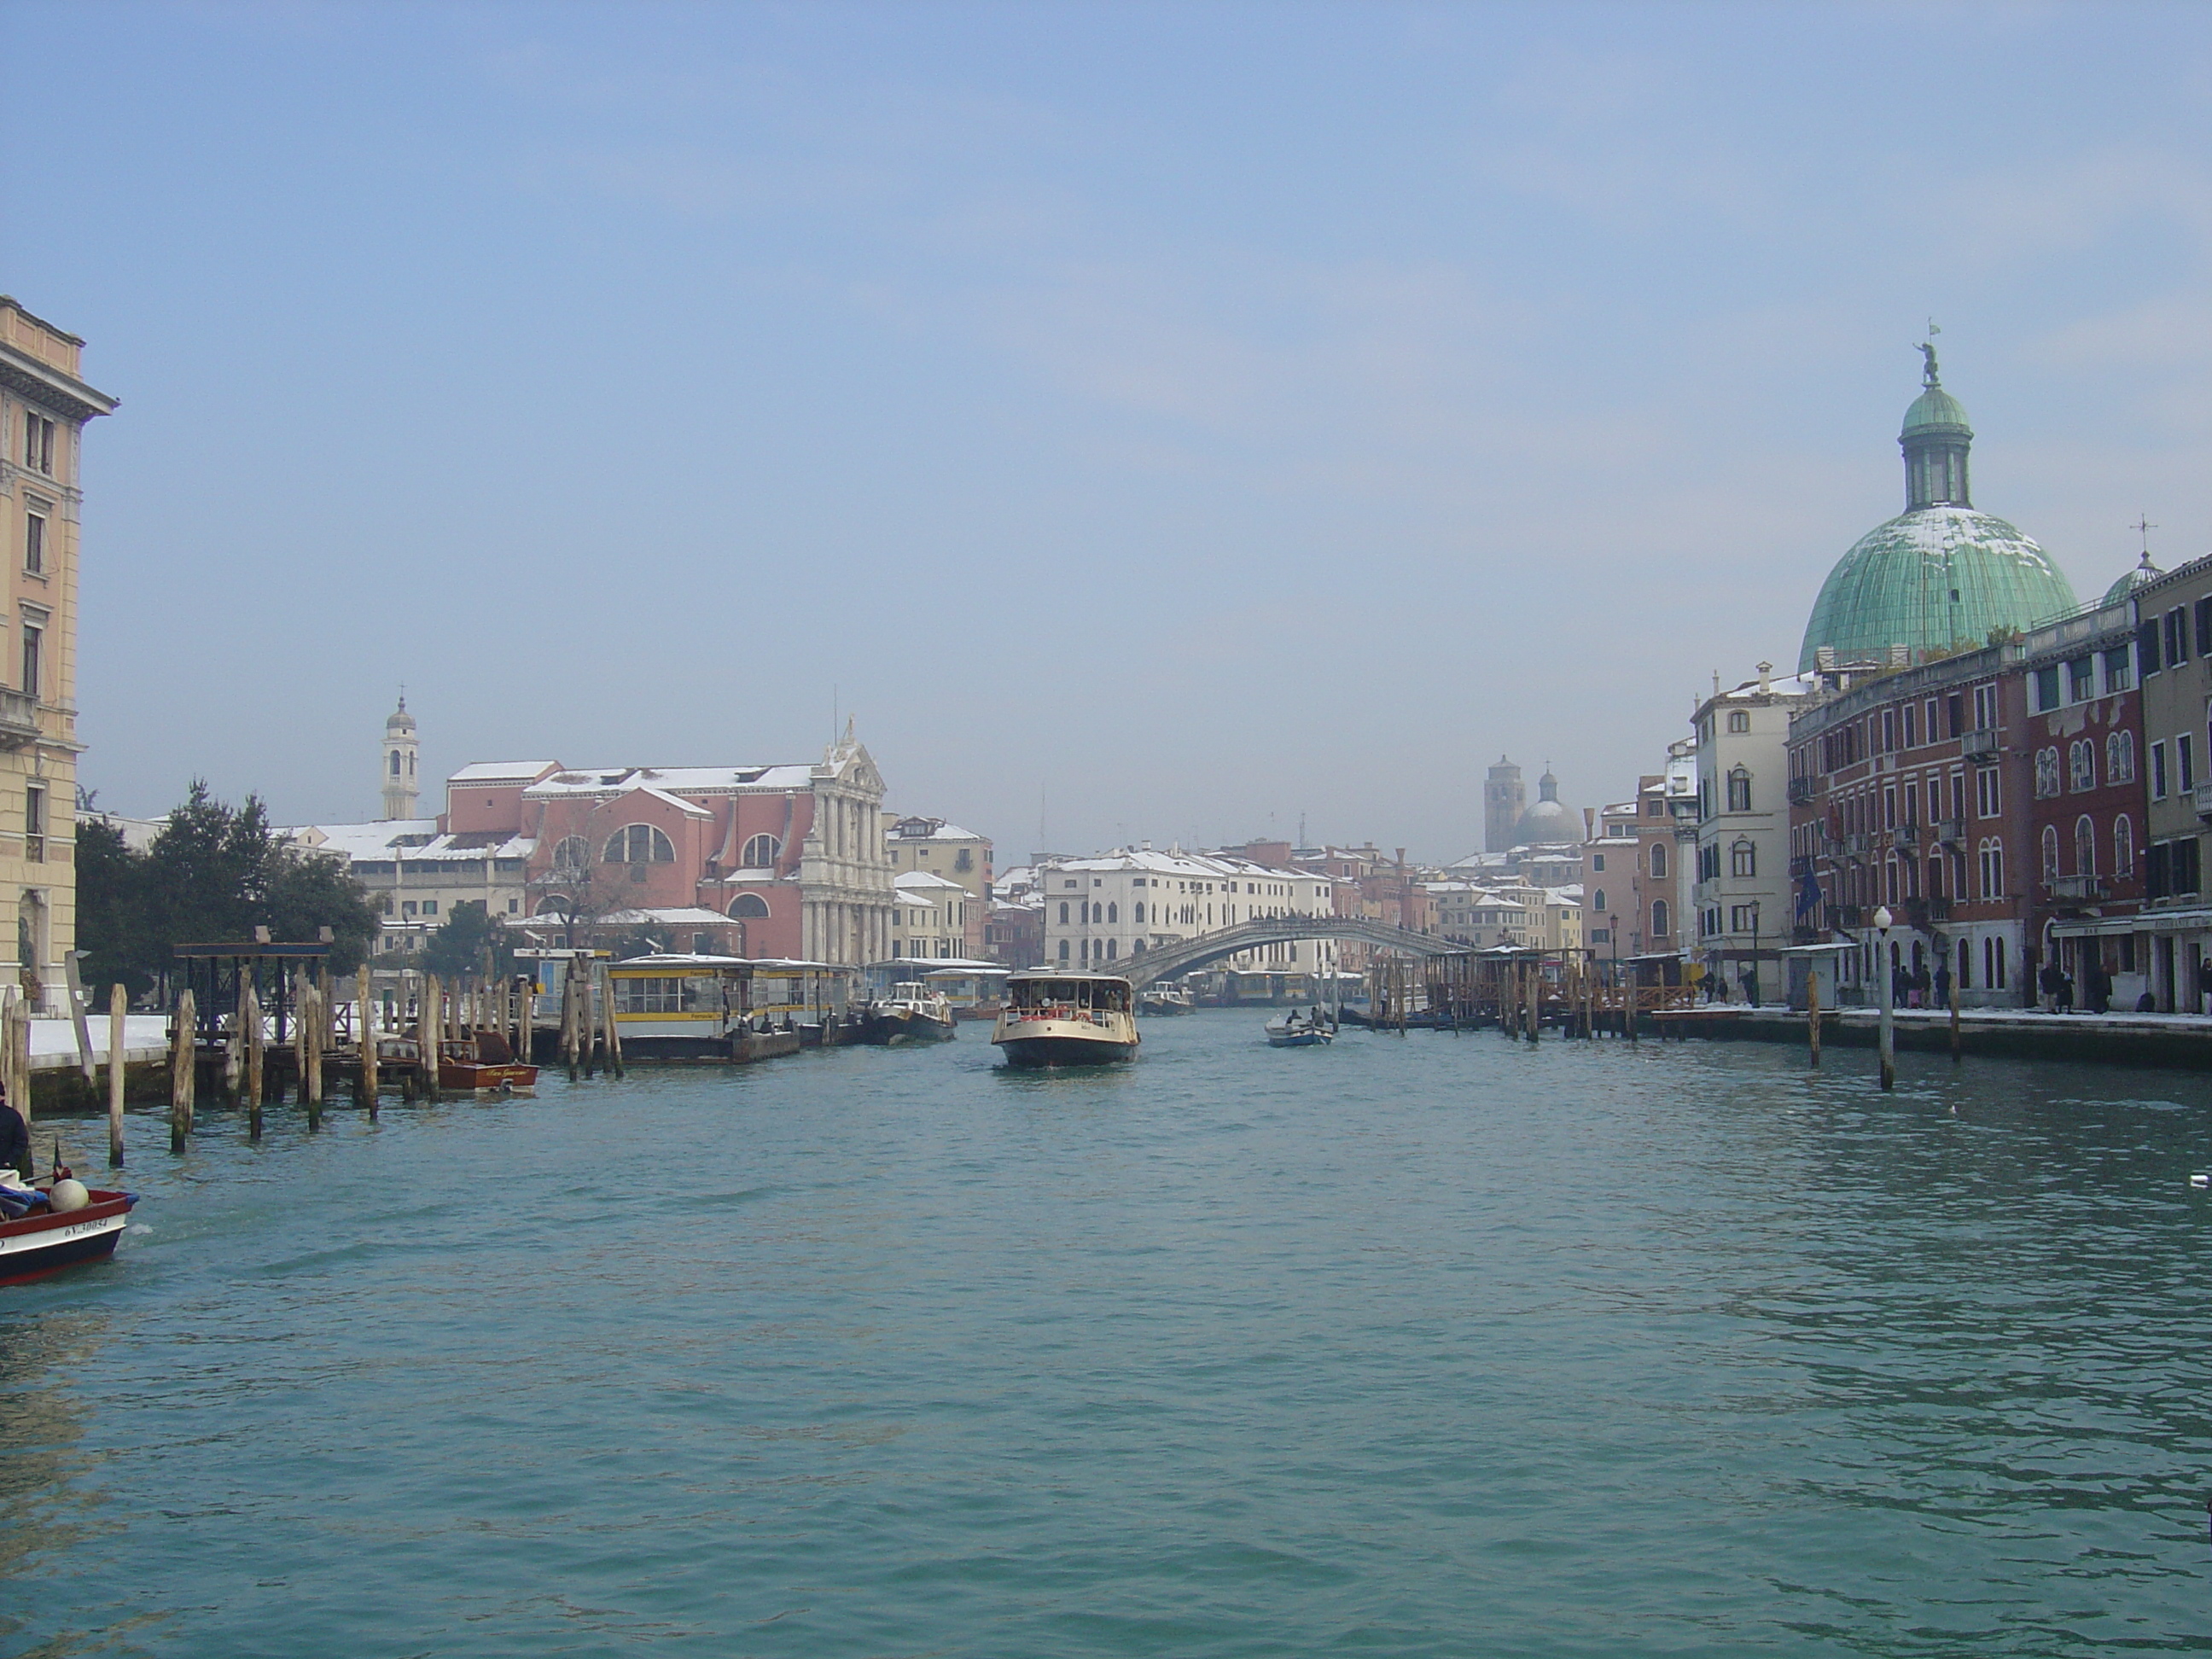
482,1062
1162,999
1067,1020
1297,1030
912,1014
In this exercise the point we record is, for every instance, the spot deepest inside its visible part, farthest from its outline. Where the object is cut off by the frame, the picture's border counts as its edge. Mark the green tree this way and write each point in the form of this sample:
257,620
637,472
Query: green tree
214,872
457,950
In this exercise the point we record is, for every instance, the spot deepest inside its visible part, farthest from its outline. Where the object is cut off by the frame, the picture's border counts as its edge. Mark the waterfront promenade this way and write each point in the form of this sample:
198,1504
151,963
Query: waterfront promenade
1428,1346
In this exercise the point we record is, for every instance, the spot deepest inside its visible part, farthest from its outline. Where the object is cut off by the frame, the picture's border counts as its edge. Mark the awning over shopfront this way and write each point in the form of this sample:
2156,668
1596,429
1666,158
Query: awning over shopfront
2195,919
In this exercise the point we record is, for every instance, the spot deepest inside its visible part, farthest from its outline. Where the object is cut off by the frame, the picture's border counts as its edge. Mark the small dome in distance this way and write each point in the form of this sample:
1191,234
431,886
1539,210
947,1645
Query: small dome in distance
1547,820
2142,575
401,721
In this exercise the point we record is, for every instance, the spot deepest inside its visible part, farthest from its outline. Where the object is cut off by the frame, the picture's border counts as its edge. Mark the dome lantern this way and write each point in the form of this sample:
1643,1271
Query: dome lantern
1935,438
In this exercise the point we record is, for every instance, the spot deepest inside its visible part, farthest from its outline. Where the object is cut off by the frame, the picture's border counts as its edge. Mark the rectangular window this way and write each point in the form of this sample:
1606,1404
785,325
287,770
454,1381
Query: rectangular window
2204,626
1912,735
34,540
2116,676
1985,708
1989,797
2081,679
1958,794
34,823
2184,866
34,647
429,907
1888,730
2185,762
2046,688
38,443
2158,771
1956,705
2177,636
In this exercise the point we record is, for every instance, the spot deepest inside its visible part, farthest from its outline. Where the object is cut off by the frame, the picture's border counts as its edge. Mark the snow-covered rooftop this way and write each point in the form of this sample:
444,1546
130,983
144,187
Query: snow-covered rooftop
416,840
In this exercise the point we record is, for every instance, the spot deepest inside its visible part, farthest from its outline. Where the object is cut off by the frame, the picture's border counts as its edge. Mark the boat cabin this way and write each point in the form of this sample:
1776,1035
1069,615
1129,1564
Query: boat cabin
680,1005
1089,993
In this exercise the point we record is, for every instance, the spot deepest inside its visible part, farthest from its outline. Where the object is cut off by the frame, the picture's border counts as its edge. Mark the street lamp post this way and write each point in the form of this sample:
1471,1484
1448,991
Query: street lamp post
1882,921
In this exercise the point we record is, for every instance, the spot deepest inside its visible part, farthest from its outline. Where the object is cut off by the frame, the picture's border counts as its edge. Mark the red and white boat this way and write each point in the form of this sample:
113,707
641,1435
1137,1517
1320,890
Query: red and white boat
43,1242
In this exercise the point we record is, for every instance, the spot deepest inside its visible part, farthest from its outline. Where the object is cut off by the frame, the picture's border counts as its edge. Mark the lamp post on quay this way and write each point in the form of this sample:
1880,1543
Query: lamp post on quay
1882,921
1754,953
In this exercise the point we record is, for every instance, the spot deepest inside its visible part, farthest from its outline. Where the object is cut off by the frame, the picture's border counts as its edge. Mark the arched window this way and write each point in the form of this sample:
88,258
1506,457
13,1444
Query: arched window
761,853
1743,859
395,763
1597,899
1659,918
1113,912
1659,860
1993,863
1137,911
550,905
748,907
2081,765
1063,922
2046,773
1063,944
572,853
1110,953
640,843
2123,846
2120,757
2050,852
1739,791
2085,846
1137,949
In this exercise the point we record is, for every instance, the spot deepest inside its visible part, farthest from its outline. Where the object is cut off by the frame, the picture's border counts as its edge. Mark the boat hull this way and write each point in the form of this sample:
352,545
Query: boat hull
1297,1039
462,1077
1069,1049
41,1244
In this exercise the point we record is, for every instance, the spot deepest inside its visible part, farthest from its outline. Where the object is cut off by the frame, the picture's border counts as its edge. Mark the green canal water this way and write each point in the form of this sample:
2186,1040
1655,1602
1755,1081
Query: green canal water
1420,1346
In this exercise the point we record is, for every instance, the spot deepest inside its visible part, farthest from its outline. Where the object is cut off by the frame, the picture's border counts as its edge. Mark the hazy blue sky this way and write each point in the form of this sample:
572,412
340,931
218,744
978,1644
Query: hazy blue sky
1193,416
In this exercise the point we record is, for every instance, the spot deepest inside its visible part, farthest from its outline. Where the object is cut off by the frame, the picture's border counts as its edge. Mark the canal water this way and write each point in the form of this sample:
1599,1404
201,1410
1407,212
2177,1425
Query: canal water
1424,1345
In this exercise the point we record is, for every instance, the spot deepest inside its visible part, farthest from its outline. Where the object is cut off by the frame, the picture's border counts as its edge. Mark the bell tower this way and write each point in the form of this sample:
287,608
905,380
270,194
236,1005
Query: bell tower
399,752
1504,798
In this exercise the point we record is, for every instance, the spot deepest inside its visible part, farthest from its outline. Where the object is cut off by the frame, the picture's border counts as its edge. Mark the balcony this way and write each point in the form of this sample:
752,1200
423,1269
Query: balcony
1906,837
18,718
1979,744
1854,845
2080,887
1951,830
2204,793
1922,911
1803,790
1847,915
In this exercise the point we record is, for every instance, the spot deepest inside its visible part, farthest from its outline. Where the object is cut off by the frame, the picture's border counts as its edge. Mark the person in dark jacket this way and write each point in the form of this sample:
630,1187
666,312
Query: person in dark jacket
2096,988
14,1139
1943,983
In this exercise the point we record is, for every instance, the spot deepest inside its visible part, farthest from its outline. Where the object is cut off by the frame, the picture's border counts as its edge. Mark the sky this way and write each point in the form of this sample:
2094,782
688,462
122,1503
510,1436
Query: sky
1182,421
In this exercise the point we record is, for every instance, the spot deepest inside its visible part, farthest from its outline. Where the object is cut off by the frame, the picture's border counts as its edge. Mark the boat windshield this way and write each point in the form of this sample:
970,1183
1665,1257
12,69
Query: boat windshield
1103,995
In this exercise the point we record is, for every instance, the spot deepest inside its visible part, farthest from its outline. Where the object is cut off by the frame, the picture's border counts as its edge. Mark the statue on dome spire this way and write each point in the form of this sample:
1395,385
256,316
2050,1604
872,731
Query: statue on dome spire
1927,350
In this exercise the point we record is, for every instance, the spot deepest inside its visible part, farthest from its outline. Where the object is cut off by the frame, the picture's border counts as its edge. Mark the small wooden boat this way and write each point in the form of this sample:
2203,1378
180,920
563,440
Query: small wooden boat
43,1242
1067,1020
1297,1030
482,1063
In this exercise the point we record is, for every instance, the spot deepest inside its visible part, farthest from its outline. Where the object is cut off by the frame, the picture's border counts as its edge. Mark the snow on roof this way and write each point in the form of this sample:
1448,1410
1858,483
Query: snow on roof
674,780
943,831
921,881
683,806
415,840
685,914
504,772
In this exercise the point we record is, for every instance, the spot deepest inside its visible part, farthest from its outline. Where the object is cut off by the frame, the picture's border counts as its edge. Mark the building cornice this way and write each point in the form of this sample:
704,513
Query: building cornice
64,393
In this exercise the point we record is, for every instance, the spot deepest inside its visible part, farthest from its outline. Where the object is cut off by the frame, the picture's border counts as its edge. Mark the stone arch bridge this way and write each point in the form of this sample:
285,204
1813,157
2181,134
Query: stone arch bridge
1170,960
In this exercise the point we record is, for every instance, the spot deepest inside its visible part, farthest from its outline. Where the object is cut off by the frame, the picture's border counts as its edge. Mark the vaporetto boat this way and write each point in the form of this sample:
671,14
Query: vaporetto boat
1067,1020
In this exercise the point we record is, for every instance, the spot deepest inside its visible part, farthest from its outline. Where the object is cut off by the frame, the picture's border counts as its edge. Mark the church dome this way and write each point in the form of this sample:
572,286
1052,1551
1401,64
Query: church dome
1547,820
2143,575
400,720
1940,576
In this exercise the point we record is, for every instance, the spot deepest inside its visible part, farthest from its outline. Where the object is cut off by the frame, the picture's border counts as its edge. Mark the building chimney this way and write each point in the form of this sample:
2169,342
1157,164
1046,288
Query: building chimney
1766,679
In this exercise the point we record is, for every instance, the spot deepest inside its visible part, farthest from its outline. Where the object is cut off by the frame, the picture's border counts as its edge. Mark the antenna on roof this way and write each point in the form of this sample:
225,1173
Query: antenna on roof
2143,526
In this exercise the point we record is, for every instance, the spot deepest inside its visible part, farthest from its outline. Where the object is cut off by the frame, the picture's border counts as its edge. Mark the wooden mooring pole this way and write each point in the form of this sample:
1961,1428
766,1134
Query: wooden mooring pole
119,1012
311,1067
255,1055
369,1022
183,1065
1813,1010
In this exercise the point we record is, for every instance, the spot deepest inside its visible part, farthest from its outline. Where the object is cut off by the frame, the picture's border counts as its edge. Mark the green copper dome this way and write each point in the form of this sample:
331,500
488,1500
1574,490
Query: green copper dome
1940,576
1930,580
2124,588
1935,411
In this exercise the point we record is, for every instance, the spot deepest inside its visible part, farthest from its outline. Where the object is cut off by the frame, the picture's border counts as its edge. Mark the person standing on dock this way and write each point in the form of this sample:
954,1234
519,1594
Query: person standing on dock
1942,981
2096,986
